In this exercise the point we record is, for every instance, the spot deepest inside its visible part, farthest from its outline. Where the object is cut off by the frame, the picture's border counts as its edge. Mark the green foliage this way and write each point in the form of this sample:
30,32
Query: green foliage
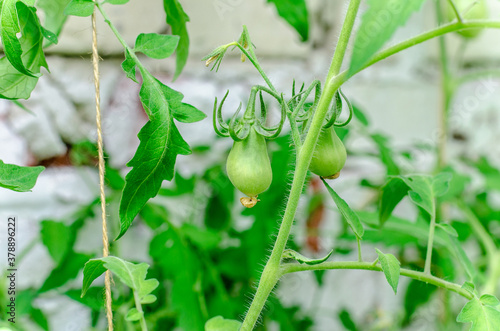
378,24
156,46
391,267
483,313
80,8
296,14
54,14
218,323
160,144
17,178
346,211
20,68
177,19
132,275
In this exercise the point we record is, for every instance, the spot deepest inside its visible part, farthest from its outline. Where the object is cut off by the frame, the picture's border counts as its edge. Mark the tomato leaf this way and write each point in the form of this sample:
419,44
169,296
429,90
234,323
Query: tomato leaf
15,83
17,178
156,46
57,237
132,275
483,313
129,66
54,14
390,267
155,157
187,114
296,14
82,8
346,211
218,323
392,193
177,19
379,22
291,254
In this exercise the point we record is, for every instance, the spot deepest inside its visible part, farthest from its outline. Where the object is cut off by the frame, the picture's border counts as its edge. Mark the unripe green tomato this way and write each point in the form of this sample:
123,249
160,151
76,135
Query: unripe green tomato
329,155
478,11
248,166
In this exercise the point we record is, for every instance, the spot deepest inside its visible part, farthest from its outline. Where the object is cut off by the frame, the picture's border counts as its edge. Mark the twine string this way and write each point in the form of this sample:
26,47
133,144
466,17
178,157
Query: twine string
105,240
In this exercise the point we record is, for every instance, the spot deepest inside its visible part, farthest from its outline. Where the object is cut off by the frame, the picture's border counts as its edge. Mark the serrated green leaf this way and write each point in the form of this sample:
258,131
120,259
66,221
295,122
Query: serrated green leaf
129,66
218,323
291,254
448,229
155,157
392,193
82,8
13,83
133,315
391,268
188,114
296,14
156,46
54,14
346,211
17,178
483,317
177,19
425,189
57,237
132,275
49,35
378,24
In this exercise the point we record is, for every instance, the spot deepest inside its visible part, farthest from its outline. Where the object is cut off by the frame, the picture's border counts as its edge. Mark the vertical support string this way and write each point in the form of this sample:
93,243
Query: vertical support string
105,241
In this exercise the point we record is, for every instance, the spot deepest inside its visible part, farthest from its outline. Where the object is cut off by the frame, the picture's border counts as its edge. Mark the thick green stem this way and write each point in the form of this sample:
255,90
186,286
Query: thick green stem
417,275
270,275
430,241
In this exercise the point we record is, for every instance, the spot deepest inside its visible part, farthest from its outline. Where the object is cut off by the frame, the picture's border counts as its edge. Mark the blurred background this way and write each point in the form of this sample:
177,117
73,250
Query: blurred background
398,132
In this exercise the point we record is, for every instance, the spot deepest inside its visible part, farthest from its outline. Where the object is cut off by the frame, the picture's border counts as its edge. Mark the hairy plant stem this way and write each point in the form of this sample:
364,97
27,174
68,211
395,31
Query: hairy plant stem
417,275
271,273
335,79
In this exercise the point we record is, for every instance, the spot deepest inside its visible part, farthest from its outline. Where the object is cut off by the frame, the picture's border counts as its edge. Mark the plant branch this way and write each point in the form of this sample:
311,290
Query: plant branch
439,31
271,274
417,275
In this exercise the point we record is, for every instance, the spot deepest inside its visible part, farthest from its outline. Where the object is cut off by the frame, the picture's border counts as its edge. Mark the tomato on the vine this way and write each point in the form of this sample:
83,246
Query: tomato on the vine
248,167
329,155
